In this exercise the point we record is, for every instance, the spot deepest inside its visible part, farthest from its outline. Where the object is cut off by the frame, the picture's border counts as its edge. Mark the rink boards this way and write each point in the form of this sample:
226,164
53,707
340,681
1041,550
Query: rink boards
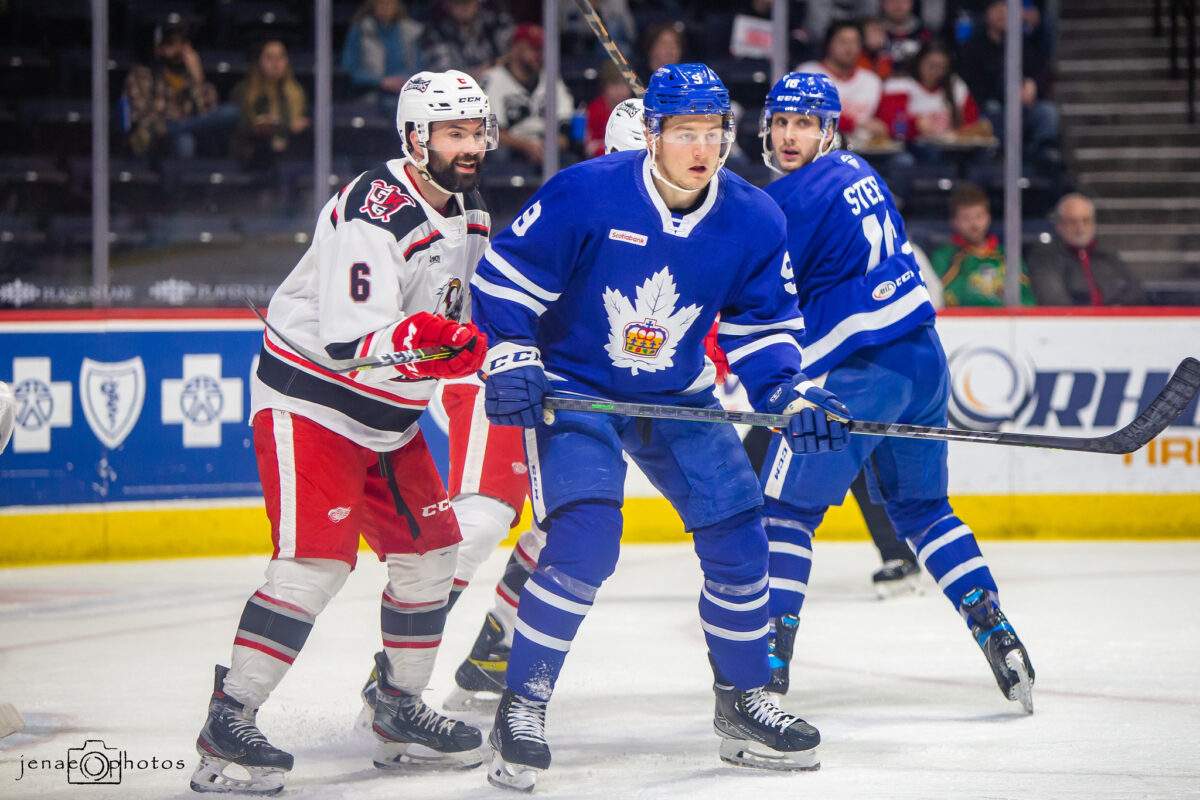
132,436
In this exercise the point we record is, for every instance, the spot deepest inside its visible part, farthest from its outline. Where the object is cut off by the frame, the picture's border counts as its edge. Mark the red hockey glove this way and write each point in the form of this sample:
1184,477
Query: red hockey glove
428,330
716,354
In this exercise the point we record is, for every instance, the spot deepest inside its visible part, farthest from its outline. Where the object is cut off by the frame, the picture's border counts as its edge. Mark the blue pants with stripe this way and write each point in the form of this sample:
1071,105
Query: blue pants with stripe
577,474
905,380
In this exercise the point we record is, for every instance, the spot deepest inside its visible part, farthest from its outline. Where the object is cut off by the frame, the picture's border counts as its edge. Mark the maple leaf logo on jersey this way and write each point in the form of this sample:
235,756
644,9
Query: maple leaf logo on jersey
383,200
643,335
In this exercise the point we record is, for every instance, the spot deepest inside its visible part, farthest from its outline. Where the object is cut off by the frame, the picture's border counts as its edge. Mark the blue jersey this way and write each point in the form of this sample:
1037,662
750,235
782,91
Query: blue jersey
858,282
618,293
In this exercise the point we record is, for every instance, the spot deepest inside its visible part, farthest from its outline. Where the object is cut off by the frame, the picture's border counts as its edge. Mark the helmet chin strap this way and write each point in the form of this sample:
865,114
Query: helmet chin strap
658,175
425,174
823,149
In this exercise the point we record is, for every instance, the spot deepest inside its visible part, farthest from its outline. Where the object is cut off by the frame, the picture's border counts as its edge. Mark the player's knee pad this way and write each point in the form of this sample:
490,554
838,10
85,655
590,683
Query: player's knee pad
733,552
416,578
583,540
484,522
308,583
912,519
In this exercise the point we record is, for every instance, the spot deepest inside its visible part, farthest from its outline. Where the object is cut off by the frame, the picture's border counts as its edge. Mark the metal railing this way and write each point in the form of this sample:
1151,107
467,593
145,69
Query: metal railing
1177,9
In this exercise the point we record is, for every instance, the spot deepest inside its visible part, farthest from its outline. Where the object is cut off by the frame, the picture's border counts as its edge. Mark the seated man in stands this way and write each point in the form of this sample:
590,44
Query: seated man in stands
516,90
170,105
382,50
1072,271
468,37
972,266
860,88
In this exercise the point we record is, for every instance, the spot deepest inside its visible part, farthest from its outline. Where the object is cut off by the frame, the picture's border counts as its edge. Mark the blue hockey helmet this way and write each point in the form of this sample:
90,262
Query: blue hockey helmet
677,89
802,93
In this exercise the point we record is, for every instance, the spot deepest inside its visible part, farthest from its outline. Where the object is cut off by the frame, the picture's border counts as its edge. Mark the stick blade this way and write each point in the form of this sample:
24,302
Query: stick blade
1180,392
10,720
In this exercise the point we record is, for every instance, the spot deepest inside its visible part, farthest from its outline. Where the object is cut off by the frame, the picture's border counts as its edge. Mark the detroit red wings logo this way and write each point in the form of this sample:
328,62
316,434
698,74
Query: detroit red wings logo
383,200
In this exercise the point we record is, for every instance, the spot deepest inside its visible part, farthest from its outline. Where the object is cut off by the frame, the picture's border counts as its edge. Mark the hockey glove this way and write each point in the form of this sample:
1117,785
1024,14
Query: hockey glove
429,330
514,385
818,417
716,354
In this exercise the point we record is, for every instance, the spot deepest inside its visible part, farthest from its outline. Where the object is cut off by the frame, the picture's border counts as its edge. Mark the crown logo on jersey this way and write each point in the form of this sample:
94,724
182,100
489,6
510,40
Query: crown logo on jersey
643,334
645,338
383,200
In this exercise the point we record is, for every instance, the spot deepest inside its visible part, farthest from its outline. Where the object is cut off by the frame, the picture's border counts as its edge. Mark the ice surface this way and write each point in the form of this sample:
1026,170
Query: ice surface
904,700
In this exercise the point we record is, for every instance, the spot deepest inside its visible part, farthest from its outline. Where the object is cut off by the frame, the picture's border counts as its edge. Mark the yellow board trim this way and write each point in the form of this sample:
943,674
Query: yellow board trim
98,535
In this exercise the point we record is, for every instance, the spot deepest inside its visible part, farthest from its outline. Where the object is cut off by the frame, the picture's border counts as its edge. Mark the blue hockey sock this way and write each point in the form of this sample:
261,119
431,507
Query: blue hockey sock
947,550
734,619
789,532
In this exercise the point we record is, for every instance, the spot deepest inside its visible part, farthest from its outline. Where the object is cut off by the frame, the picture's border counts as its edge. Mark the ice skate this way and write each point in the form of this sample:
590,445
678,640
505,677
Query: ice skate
756,733
780,644
479,681
366,717
413,736
897,576
230,736
1005,653
518,742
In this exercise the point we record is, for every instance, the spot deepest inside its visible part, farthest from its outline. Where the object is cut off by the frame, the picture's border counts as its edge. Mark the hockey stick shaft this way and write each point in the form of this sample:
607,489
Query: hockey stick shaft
1179,392
343,365
606,41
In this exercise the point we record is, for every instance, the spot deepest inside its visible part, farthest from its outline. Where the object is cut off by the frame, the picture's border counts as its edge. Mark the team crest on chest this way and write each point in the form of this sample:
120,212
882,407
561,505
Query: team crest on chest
383,200
643,334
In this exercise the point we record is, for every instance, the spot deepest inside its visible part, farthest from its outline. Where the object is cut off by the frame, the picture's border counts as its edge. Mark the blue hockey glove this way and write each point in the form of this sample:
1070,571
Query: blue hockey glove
514,384
818,417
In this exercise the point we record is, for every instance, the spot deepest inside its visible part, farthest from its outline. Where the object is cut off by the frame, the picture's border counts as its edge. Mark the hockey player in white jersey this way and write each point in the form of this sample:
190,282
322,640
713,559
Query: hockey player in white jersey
870,338
606,285
387,270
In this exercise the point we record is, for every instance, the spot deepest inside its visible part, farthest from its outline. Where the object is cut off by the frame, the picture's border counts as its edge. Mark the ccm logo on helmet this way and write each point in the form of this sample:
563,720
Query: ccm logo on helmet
888,288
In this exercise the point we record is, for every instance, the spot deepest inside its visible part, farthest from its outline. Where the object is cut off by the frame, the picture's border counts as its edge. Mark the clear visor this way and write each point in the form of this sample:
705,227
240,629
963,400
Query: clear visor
454,136
708,137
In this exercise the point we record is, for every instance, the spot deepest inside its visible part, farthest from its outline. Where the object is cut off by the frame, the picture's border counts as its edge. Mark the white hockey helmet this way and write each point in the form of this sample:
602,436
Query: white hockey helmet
626,129
429,97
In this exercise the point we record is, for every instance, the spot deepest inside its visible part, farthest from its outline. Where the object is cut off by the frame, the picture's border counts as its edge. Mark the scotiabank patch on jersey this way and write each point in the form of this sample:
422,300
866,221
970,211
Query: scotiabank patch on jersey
383,200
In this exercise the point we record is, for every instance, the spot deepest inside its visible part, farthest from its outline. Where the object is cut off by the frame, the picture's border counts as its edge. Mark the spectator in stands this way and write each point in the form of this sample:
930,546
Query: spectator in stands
272,108
876,56
821,14
470,38
171,106
382,49
1072,271
860,88
972,266
906,33
613,89
931,104
516,90
661,44
981,64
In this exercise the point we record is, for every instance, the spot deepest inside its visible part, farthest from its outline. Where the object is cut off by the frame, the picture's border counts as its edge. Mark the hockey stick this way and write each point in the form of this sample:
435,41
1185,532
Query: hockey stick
342,365
610,47
1180,390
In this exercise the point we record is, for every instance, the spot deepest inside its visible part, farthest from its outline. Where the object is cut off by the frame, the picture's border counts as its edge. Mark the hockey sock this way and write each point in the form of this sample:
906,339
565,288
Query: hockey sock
583,541
276,622
734,597
520,566
413,614
947,550
789,531
484,522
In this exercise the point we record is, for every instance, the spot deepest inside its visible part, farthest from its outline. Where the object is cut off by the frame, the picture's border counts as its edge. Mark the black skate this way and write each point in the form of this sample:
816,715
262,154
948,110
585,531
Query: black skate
756,733
369,693
780,646
1005,653
518,742
413,735
230,736
479,681
896,577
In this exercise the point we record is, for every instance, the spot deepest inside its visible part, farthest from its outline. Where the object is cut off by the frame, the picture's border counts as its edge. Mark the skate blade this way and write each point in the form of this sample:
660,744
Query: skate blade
506,775
909,585
210,776
754,755
1023,690
413,757
460,699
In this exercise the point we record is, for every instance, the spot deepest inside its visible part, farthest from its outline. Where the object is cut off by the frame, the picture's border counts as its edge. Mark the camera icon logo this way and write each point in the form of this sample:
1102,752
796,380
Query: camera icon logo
93,762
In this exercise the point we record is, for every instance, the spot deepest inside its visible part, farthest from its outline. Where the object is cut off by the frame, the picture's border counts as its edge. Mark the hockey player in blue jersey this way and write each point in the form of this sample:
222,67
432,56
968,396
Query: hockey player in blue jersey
605,286
869,335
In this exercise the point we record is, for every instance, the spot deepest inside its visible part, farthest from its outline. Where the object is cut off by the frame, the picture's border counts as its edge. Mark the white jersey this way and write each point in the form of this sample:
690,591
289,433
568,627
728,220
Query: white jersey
519,111
380,254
